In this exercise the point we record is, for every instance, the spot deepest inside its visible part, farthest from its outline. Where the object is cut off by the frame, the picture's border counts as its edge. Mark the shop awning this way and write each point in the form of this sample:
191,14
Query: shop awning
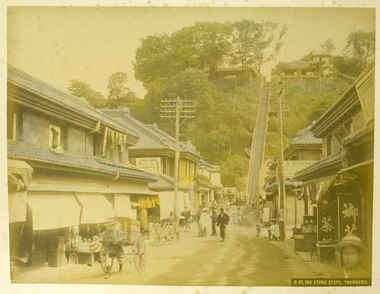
17,206
123,206
53,210
96,208
20,169
321,188
19,177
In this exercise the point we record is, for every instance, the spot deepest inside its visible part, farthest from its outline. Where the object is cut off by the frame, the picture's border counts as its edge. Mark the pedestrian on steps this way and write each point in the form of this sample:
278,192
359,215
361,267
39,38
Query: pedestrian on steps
222,221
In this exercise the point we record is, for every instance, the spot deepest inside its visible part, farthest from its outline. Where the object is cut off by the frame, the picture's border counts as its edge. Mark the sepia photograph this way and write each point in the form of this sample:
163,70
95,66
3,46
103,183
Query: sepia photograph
152,144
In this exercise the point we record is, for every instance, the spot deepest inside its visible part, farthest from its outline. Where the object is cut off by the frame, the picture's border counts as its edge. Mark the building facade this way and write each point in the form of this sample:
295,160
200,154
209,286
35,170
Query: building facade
155,152
340,185
68,167
302,152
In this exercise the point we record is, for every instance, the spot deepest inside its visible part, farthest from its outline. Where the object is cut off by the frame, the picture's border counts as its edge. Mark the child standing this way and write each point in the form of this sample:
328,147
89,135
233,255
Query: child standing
352,251
259,224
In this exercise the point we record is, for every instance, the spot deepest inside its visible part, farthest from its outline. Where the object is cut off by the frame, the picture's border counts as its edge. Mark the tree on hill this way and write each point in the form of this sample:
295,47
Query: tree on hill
119,93
358,53
361,45
328,45
182,64
208,42
83,90
251,40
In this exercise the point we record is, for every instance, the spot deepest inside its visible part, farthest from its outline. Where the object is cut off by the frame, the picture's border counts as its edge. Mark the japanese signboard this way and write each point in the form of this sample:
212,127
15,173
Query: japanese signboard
291,167
152,165
328,222
349,214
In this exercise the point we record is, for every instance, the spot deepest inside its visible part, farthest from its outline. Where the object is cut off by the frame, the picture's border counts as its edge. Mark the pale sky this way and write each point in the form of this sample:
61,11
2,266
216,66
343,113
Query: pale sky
56,44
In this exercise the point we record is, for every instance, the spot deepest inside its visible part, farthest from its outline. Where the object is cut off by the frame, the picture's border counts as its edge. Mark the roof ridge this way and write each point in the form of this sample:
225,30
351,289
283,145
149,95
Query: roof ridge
79,100
138,124
90,111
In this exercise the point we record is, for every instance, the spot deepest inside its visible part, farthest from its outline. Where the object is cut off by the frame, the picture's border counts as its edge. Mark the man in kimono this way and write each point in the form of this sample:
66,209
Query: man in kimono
222,221
114,247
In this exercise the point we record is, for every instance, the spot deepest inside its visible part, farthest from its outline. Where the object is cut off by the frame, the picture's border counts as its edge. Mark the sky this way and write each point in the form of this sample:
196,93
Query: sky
56,44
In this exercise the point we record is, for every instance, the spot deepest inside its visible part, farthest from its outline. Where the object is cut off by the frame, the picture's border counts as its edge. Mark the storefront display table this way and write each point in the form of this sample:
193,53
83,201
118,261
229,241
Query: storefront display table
81,257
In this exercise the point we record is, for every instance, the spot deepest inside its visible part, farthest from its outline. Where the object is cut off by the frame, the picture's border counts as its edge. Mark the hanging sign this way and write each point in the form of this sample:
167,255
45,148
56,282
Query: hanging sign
291,167
349,215
152,164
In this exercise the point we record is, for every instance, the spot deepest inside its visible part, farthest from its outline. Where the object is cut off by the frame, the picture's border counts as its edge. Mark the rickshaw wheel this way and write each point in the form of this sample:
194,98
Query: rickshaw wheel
140,254
103,262
157,231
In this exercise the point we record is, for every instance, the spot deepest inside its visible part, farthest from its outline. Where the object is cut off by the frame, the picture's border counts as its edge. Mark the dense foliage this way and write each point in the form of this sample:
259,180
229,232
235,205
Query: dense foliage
184,64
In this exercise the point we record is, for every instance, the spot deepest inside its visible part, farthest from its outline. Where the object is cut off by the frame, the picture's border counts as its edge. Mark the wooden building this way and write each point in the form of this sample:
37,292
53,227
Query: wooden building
304,150
155,152
68,165
340,185
208,188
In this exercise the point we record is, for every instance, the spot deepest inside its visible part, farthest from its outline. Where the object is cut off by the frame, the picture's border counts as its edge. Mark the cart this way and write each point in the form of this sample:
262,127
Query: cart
167,232
132,253
133,247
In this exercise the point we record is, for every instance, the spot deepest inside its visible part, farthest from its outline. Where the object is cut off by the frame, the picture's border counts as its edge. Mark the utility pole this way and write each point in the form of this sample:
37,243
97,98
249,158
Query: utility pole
281,181
177,108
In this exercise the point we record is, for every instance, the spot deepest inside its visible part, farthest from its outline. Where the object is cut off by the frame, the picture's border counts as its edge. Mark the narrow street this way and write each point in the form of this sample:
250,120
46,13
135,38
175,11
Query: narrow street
243,259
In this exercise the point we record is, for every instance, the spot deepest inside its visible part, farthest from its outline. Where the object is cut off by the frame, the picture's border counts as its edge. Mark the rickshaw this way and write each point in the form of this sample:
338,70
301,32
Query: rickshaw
134,247
166,232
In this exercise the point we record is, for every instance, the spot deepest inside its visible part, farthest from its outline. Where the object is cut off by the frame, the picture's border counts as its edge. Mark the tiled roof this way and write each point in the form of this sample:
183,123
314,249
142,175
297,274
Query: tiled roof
274,186
363,131
25,151
320,166
305,136
48,92
151,137
205,163
299,64
166,182
347,104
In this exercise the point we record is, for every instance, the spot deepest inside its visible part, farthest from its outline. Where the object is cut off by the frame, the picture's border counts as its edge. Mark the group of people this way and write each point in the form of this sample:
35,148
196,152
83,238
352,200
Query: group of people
351,249
205,221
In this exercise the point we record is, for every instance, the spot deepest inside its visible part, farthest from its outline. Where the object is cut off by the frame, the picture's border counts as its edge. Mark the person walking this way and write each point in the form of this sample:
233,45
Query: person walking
239,215
222,221
187,216
214,217
113,235
204,222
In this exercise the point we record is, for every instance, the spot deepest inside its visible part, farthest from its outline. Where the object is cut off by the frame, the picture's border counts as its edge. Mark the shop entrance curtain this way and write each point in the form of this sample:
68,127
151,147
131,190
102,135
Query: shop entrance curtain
53,210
